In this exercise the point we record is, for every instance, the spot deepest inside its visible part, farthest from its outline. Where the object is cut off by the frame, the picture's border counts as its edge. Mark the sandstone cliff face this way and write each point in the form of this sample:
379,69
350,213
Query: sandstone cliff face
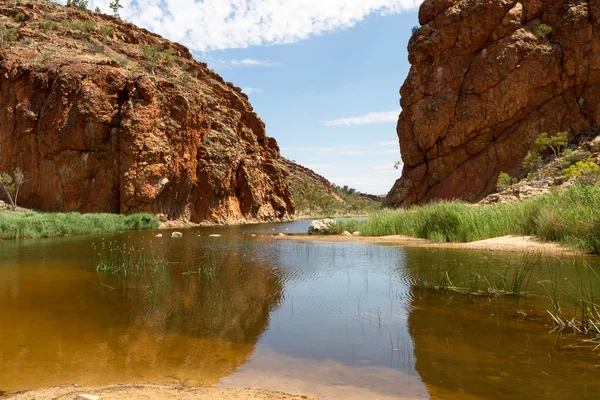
94,131
483,86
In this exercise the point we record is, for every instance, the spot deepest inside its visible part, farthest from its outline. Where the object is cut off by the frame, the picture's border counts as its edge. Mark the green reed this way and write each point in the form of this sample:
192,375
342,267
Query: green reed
571,216
15,225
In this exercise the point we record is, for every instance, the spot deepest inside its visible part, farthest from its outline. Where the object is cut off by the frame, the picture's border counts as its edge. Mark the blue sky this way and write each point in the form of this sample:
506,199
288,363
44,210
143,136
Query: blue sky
324,75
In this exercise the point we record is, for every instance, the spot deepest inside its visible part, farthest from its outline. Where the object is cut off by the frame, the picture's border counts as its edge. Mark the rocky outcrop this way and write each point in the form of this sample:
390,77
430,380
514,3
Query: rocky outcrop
487,78
106,117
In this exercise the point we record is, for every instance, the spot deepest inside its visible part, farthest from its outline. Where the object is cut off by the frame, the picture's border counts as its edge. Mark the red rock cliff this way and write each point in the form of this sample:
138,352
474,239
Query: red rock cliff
485,82
95,131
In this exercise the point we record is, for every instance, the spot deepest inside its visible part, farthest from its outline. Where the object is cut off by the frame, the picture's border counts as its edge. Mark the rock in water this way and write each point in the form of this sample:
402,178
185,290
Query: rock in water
321,227
87,397
487,78
356,233
159,235
346,233
101,134
176,234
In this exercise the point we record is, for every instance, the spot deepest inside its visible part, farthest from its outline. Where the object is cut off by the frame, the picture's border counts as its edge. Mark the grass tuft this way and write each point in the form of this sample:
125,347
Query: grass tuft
571,216
43,225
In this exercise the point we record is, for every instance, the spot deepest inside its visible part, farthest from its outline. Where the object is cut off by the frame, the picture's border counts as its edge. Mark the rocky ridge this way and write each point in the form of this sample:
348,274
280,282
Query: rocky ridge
487,77
103,116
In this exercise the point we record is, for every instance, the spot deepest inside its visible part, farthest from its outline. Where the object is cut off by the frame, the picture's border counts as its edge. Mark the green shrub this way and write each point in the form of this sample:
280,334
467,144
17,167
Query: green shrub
505,181
81,4
581,168
106,31
532,161
7,36
542,31
571,157
48,24
85,26
20,17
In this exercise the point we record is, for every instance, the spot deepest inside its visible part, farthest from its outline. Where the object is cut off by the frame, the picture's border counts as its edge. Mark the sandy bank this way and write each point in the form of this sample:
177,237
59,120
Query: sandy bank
512,244
154,392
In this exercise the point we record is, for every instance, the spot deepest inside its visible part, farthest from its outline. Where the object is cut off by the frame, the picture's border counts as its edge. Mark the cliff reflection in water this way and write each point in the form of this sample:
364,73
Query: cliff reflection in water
64,323
479,348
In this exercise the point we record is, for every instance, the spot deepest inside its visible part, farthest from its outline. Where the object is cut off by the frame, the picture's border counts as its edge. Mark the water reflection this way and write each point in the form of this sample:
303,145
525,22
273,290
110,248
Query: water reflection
331,320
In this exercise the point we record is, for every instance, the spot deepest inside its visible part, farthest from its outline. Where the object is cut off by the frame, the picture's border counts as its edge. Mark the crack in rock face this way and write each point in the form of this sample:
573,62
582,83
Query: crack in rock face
484,83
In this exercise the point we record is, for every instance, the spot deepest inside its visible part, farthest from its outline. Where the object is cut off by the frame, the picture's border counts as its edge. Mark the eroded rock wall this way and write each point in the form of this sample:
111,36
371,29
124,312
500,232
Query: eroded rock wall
484,83
96,130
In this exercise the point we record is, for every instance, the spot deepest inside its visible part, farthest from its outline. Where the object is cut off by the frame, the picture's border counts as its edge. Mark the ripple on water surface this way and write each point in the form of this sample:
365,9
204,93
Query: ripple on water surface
332,320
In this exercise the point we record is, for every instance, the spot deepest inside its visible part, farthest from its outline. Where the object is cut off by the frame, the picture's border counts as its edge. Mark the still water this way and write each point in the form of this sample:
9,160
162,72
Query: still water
329,320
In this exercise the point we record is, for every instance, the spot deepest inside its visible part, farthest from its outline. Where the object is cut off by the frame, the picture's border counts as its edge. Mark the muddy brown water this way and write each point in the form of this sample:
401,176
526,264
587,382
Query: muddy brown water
330,320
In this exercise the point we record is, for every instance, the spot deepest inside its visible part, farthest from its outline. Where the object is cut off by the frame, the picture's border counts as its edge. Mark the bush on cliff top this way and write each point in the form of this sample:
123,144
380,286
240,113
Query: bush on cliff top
41,225
571,217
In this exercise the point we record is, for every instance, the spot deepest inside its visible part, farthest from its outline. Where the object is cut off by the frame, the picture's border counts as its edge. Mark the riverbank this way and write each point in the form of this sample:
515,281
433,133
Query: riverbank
512,244
152,392
31,224
570,217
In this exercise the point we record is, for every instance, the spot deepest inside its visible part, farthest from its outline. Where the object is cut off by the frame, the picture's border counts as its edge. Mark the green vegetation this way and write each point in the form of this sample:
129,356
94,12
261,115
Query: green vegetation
48,25
81,26
115,6
542,32
7,36
312,200
41,225
106,31
581,168
155,54
20,17
11,183
81,4
543,144
505,181
127,260
571,217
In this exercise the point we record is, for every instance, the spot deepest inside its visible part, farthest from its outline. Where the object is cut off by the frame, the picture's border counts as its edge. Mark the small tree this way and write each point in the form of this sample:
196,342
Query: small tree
115,6
557,143
81,4
11,184
505,181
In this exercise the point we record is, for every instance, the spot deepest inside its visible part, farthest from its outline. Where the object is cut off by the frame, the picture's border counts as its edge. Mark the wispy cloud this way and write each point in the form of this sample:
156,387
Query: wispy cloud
251,90
225,24
390,143
370,118
347,150
251,62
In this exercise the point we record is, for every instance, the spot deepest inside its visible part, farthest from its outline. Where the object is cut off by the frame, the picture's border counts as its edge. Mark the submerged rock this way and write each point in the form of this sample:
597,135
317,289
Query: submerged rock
176,234
214,235
321,227
159,235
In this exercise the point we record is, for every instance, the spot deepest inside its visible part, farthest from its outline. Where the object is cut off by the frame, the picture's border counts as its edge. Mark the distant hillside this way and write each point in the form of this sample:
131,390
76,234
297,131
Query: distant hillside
315,195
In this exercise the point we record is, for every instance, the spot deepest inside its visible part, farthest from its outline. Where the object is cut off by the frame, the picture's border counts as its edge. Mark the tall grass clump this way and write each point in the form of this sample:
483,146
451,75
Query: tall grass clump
571,216
43,225
127,260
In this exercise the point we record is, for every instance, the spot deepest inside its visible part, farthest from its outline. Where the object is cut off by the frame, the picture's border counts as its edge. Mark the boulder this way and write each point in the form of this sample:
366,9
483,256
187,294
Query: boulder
346,233
357,233
176,234
321,227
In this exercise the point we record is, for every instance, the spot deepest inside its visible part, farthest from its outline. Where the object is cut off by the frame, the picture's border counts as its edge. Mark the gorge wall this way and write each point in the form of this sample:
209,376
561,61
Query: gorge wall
103,116
486,79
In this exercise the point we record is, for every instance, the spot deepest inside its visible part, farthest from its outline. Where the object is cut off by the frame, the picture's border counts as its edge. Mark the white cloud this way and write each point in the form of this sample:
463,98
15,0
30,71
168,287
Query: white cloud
251,62
224,24
370,118
390,143
251,90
